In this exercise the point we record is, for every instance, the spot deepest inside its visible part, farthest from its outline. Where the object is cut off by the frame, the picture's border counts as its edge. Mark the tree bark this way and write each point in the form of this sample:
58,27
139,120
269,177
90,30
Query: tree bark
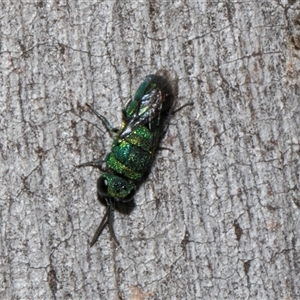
218,216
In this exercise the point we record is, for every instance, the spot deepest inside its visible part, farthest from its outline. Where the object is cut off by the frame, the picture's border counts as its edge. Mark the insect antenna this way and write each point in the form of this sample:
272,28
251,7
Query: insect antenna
108,219
110,225
103,223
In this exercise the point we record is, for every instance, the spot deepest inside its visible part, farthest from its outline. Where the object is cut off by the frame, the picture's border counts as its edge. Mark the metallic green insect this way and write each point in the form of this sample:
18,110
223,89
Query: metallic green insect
144,121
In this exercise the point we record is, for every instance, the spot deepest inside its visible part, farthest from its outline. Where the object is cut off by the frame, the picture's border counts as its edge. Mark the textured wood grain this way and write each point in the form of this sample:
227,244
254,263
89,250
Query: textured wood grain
218,217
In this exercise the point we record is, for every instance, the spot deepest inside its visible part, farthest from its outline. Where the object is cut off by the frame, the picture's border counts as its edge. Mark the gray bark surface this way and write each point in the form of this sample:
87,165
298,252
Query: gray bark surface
218,217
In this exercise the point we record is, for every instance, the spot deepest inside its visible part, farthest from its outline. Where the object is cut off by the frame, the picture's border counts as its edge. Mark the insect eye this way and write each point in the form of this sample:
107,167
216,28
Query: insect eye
102,186
130,196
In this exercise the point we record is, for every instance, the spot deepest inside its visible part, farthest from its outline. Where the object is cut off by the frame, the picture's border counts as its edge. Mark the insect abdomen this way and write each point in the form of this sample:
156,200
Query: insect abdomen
131,156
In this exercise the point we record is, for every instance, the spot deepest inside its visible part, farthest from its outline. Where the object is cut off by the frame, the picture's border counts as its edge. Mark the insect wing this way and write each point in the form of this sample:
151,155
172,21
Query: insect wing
153,98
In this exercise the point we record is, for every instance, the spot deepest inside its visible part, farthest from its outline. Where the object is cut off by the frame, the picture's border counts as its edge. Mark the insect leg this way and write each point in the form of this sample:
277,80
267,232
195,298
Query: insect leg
105,122
181,107
96,163
164,148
